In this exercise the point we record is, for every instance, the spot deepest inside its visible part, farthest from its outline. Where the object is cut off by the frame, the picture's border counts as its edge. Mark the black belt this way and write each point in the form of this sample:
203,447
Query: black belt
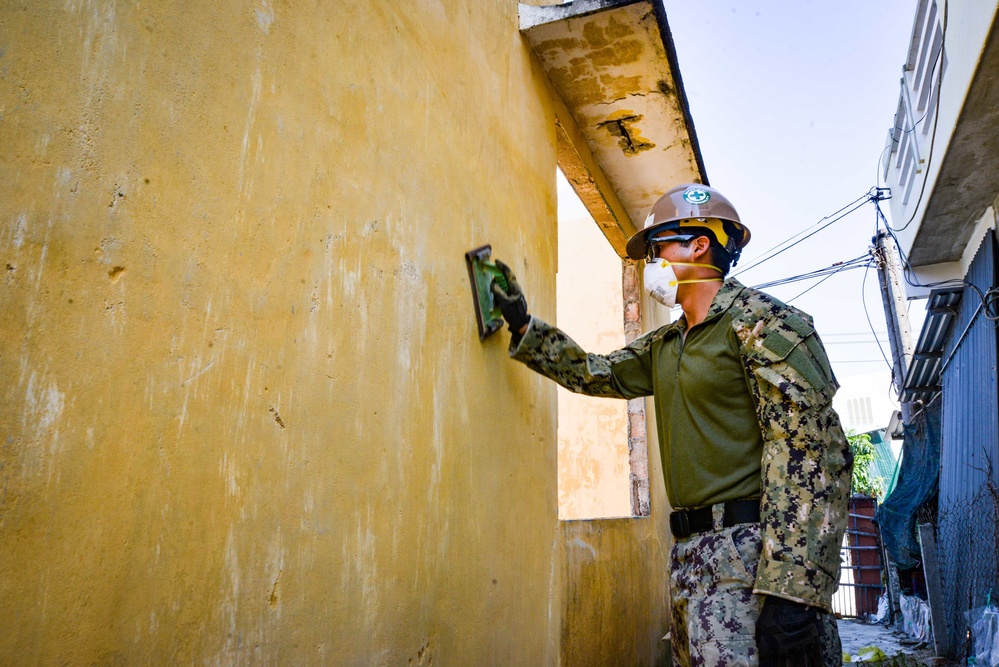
684,523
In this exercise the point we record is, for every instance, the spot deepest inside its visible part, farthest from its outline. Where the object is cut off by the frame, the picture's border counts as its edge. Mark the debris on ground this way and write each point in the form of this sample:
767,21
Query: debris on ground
876,644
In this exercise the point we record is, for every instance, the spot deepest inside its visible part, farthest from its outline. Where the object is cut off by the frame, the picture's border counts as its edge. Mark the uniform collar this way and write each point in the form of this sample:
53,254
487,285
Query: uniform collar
726,296
723,300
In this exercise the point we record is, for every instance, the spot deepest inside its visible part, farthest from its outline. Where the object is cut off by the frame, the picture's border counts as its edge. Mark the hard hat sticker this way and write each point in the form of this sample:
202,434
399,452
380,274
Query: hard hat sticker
696,196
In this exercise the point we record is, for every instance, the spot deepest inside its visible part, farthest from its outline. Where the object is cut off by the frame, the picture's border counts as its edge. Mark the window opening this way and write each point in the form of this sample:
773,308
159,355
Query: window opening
601,474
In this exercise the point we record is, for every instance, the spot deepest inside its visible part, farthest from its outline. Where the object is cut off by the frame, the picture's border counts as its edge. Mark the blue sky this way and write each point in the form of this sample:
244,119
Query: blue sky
792,102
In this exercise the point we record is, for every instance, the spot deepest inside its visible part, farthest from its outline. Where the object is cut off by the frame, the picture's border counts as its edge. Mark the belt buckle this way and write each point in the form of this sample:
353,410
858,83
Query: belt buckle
679,524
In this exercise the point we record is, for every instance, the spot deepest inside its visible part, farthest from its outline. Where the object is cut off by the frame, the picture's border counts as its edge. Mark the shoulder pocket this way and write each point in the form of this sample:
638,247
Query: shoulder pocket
790,357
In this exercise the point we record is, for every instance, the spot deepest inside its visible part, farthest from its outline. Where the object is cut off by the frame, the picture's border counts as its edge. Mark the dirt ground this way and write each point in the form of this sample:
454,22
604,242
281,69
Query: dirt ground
901,650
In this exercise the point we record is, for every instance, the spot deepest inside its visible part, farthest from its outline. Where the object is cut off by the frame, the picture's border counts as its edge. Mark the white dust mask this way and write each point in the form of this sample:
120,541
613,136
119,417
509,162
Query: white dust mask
661,282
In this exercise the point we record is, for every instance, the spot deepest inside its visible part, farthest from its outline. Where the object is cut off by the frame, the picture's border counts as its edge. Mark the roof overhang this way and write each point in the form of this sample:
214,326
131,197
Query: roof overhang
968,180
614,66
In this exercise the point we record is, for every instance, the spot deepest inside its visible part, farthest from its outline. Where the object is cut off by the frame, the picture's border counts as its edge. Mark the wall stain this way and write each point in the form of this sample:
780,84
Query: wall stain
277,417
423,656
272,600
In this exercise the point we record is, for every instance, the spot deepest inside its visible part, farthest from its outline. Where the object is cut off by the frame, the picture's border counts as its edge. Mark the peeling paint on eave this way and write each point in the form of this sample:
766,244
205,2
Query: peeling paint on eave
613,67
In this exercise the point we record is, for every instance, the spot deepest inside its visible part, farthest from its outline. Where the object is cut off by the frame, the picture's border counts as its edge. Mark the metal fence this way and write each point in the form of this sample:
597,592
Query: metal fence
860,561
968,552
966,534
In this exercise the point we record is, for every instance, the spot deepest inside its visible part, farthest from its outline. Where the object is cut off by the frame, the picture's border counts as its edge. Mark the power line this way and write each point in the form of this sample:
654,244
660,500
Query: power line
833,343
906,266
856,361
770,254
855,263
863,299
989,298
810,288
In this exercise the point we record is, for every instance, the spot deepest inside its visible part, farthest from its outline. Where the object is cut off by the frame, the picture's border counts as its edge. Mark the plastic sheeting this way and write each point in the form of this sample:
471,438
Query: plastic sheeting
984,624
882,613
917,483
916,618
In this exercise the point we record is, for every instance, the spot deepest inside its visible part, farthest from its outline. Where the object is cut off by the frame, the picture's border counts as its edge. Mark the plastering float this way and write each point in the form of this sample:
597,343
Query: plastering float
482,273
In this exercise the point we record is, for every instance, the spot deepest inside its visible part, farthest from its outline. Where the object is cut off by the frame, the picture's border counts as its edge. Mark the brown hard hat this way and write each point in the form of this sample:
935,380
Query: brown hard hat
693,205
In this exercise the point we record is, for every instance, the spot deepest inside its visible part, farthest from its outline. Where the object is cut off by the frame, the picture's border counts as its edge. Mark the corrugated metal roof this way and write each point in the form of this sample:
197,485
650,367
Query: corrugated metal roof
922,381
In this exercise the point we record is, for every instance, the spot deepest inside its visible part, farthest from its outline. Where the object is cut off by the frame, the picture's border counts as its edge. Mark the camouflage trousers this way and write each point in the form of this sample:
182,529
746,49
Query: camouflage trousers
714,610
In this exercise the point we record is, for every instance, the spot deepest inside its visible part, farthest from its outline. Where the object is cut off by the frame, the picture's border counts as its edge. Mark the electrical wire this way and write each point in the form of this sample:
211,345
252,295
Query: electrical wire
867,314
769,254
855,263
989,299
820,282
891,144
794,236
906,265
867,341
857,361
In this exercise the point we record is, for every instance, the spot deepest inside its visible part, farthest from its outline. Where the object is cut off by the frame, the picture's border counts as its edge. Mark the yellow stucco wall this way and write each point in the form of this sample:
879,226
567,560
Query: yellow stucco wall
615,571
616,578
246,417
593,469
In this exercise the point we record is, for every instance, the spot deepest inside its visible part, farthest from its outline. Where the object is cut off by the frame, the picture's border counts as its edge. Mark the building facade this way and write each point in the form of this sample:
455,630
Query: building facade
940,163
247,417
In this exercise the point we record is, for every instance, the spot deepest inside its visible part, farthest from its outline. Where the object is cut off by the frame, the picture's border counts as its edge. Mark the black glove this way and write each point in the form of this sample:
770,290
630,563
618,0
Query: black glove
789,634
510,301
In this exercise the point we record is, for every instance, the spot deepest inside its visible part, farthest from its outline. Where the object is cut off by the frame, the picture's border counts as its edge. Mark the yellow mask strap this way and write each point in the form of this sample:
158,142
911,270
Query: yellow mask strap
699,280
666,262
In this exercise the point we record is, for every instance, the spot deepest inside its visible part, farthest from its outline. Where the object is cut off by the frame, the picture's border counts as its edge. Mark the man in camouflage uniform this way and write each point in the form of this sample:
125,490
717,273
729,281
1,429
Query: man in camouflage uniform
754,458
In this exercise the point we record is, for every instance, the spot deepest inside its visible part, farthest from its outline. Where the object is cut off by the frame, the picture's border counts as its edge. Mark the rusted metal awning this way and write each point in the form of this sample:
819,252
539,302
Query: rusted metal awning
614,66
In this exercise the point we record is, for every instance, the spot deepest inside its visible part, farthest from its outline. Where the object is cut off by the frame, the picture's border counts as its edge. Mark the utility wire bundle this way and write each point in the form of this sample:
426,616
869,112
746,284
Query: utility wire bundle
861,262
807,233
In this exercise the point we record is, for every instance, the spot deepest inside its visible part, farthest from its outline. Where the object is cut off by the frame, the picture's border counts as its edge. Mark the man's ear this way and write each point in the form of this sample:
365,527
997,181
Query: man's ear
700,246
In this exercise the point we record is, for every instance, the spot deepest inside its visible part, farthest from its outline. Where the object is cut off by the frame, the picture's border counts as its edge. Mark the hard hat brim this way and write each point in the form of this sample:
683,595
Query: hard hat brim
636,244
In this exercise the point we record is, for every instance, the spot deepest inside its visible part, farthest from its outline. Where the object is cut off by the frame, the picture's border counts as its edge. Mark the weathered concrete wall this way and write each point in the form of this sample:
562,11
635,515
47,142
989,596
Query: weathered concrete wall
617,598
593,470
246,417
616,571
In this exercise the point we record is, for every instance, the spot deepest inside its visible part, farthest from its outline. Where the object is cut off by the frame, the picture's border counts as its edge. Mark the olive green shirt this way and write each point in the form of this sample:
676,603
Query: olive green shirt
709,439
753,359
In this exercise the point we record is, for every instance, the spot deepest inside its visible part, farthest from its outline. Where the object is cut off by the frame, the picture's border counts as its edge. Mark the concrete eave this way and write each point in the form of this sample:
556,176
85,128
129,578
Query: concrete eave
968,180
614,66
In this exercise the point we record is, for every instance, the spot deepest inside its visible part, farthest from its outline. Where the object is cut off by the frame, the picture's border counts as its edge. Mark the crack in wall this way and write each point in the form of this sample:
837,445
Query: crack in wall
629,138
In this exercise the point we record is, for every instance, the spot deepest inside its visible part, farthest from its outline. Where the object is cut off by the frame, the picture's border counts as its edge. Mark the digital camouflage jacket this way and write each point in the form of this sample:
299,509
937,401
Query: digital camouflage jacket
806,462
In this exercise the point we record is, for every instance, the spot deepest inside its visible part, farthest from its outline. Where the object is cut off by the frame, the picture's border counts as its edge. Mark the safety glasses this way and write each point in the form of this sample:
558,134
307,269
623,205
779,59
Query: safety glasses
651,246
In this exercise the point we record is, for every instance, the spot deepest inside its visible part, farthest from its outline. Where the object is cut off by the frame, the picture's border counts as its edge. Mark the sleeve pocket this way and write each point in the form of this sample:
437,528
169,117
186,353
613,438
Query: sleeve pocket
786,358
789,382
